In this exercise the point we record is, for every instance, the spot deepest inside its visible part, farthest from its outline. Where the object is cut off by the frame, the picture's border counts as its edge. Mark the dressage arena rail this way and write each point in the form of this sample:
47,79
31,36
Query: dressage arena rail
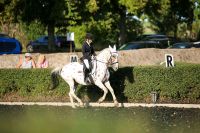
126,105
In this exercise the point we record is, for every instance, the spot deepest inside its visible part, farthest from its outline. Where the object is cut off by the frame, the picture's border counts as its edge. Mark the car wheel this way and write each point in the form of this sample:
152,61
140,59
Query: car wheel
29,48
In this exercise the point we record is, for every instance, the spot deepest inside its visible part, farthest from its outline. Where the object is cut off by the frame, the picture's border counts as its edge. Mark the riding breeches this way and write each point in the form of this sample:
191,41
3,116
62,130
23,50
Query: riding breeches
86,62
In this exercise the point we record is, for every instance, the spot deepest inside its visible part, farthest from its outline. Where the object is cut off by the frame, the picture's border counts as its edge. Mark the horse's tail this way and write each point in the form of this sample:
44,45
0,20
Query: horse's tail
54,77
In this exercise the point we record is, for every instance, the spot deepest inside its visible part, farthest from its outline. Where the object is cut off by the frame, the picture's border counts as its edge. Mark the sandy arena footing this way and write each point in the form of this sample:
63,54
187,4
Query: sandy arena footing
126,105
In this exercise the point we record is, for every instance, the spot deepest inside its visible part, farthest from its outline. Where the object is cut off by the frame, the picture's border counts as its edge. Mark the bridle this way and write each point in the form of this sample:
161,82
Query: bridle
110,59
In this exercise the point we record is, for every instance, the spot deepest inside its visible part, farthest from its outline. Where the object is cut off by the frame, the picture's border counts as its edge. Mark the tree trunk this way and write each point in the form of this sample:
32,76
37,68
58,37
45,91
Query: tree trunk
51,38
175,25
122,28
175,30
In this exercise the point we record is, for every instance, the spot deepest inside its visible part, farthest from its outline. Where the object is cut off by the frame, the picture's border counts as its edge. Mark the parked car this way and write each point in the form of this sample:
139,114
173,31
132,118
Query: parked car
130,46
181,45
42,43
196,44
9,45
151,37
159,38
140,45
4,35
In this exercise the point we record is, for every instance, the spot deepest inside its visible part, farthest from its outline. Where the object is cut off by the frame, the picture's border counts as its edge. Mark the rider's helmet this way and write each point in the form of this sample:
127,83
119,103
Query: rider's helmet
89,36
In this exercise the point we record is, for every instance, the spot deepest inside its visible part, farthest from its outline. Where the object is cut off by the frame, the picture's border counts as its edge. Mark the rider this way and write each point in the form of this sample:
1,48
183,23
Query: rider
88,52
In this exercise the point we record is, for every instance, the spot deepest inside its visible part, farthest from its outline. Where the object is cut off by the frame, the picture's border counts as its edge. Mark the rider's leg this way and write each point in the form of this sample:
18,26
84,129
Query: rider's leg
86,62
86,73
87,68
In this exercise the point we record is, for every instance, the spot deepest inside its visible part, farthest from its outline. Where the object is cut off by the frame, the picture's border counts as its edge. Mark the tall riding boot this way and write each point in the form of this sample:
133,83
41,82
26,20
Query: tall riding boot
86,73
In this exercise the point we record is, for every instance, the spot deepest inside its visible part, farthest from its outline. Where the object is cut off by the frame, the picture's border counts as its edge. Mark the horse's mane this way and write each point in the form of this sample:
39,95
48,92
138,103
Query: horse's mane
102,51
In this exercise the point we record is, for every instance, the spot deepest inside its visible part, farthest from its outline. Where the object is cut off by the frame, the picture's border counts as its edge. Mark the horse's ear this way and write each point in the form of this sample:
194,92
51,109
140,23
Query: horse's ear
114,47
110,47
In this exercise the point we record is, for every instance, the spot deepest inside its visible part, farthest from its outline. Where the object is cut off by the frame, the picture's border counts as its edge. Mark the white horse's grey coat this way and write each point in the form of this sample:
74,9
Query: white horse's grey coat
72,73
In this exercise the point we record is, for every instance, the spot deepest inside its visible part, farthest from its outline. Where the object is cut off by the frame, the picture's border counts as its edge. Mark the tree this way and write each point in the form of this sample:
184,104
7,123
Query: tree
196,23
48,12
108,20
168,14
127,9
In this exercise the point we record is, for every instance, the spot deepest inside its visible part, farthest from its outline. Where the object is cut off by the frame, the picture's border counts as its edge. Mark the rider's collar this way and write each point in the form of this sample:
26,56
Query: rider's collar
87,41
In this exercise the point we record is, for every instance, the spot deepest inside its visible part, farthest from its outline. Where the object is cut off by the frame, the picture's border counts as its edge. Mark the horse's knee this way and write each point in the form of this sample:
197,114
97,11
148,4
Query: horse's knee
71,93
105,91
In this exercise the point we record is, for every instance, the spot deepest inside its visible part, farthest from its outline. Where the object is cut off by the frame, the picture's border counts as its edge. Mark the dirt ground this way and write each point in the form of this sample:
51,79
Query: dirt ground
141,57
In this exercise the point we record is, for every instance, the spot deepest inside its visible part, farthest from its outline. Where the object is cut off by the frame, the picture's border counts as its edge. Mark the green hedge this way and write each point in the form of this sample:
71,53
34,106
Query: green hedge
179,83
29,82
130,83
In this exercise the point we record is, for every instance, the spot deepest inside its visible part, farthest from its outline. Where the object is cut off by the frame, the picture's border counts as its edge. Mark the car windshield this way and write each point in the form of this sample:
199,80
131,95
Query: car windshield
123,46
4,35
152,37
132,46
129,46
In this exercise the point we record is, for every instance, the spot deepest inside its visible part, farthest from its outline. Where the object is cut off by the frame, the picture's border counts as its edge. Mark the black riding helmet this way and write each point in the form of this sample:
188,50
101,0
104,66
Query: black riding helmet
89,36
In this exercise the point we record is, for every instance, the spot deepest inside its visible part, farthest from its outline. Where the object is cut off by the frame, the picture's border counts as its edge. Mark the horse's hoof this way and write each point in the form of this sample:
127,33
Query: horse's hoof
99,101
81,104
116,104
73,106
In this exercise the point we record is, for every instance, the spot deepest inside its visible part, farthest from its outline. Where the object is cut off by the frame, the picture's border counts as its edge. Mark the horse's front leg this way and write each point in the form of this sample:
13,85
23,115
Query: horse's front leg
107,84
105,90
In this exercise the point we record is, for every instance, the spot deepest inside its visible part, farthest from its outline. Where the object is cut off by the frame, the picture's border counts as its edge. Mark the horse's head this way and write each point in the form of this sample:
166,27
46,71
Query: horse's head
113,61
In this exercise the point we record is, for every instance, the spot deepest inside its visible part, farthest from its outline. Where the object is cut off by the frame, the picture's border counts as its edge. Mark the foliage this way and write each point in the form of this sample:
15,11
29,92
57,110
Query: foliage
34,30
196,23
133,6
48,12
178,83
168,14
19,30
79,32
35,82
111,21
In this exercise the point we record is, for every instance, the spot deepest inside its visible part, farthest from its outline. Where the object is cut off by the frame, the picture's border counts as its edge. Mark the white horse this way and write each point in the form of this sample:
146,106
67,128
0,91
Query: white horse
73,74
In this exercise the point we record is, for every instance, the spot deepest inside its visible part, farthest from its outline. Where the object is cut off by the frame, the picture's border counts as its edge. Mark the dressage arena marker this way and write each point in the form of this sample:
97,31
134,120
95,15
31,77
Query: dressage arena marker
126,105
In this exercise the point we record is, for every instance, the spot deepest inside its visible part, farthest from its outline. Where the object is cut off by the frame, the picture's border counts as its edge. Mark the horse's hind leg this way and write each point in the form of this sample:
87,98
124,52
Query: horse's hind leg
107,84
72,93
71,100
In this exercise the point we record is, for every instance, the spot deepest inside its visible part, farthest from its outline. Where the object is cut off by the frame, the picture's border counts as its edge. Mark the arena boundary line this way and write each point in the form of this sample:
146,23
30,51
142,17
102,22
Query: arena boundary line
126,105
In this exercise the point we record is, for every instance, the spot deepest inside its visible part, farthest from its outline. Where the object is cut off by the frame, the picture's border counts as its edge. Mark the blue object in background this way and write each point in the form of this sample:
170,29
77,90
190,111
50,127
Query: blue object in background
9,45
